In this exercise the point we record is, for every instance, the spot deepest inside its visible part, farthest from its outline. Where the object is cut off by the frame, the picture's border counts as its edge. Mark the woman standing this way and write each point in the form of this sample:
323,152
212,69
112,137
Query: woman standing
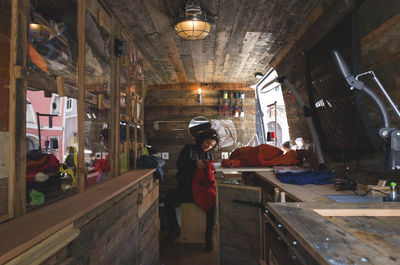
190,158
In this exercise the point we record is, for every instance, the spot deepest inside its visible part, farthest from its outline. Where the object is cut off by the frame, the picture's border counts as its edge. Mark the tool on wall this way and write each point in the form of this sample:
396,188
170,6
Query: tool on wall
225,108
237,108
231,104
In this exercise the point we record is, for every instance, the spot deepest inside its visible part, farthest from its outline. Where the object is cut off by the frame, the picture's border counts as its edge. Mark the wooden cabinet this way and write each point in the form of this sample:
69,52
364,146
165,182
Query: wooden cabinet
239,224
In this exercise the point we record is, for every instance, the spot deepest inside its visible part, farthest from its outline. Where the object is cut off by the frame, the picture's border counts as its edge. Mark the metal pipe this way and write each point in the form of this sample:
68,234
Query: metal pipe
354,83
394,106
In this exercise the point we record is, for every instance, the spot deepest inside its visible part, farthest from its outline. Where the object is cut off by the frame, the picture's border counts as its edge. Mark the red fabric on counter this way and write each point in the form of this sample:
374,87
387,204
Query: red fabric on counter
262,155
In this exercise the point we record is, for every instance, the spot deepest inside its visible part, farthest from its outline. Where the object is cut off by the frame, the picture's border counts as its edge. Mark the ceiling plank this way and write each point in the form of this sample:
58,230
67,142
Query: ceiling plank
244,14
226,17
156,10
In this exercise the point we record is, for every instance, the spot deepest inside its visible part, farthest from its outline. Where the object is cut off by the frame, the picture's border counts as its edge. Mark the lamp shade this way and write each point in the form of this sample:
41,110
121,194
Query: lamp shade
193,29
193,23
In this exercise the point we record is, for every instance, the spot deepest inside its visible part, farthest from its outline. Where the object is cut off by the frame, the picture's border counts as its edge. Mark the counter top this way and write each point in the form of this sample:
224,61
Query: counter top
234,170
22,233
344,233
302,193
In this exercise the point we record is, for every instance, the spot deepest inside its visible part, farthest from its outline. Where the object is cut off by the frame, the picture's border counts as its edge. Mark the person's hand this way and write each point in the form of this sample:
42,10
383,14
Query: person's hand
200,164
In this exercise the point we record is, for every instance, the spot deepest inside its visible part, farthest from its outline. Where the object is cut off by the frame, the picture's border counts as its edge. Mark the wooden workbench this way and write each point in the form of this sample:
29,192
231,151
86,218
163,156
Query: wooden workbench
300,193
327,232
312,229
335,233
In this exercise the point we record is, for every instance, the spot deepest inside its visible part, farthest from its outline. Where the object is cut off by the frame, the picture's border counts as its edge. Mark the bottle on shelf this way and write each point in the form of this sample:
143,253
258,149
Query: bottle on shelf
393,191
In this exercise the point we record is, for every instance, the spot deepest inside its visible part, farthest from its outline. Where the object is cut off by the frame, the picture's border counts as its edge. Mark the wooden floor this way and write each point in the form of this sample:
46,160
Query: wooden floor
187,254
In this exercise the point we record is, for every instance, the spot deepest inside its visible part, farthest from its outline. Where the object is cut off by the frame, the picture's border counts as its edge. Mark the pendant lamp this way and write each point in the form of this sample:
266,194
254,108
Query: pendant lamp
193,23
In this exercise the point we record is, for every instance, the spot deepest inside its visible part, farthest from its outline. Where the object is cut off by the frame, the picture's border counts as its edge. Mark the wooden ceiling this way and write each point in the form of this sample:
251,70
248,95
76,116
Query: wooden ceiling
248,34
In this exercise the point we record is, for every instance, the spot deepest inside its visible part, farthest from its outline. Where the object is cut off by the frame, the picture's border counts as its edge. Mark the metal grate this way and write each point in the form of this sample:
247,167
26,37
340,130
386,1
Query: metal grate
334,106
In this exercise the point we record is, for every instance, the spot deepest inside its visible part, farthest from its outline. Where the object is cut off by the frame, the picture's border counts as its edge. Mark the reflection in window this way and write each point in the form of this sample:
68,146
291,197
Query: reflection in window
97,144
53,39
52,149
97,58
51,160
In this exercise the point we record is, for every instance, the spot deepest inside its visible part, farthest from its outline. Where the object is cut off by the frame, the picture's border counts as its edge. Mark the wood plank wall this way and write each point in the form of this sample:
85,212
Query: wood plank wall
5,33
379,29
170,108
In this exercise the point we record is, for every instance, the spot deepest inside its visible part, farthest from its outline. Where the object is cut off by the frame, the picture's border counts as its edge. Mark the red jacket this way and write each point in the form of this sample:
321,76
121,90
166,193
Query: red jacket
204,187
259,156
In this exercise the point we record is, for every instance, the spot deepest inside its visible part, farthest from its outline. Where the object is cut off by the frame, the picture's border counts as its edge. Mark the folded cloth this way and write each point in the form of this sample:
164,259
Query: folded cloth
306,177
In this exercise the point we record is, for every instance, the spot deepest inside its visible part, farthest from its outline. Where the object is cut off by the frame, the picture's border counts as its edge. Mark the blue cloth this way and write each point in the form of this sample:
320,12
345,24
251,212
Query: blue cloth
306,177
148,161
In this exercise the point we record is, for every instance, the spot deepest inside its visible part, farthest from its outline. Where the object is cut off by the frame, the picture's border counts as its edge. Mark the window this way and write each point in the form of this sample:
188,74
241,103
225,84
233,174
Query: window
273,111
52,52
68,104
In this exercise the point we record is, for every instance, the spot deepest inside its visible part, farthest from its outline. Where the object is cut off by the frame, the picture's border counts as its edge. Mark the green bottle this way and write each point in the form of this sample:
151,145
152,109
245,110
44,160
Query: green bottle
393,192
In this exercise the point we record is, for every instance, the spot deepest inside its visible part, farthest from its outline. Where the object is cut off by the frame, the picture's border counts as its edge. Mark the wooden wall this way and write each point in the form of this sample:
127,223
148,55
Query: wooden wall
5,33
122,231
379,29
170,108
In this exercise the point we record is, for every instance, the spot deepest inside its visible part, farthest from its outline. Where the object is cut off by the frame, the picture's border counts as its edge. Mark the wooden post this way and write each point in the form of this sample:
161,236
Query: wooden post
60,86
81,98
115,102
17,104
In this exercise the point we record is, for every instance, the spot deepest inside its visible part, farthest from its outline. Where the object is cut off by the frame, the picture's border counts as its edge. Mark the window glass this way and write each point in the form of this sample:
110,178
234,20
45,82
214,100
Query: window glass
52,143
97,144
53,48
97,59
51,132
97,102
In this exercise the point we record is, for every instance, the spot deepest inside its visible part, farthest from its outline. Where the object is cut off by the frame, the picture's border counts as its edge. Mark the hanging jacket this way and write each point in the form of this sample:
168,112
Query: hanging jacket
204,187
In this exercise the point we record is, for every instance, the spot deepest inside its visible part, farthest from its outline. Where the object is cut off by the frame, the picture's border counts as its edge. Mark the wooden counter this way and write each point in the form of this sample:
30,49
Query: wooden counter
21,234
312,229
367,233
301,193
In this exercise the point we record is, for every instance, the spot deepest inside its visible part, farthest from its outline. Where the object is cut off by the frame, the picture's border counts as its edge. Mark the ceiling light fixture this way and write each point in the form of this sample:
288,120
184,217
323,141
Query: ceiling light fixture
193,23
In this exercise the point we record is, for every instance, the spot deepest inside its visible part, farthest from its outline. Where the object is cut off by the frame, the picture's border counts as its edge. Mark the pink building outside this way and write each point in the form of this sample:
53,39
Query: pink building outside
64,124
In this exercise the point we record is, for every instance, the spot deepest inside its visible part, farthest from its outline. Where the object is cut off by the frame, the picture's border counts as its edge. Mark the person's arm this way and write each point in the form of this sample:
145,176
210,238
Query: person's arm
186,162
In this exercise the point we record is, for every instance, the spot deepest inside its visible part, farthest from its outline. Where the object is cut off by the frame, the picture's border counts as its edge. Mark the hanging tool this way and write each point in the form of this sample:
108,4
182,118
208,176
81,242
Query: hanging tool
219,107
225,108
231,104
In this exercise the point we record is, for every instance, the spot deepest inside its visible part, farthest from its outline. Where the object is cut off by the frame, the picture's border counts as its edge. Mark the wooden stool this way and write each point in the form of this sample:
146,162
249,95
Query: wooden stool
193,223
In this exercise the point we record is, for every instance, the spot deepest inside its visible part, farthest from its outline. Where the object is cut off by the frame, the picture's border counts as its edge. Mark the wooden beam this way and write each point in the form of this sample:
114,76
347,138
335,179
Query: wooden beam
81,98
17,104
195,86
115,97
